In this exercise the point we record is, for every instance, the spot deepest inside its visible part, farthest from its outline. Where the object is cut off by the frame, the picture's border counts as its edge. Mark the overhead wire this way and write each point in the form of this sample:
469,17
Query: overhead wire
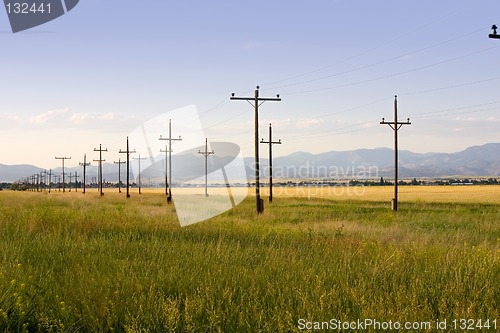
371,49
379,62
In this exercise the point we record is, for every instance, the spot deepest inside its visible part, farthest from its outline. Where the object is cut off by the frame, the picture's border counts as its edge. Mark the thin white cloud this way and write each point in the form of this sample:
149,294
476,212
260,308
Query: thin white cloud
308,123
46,116
300,123
11,118
83,117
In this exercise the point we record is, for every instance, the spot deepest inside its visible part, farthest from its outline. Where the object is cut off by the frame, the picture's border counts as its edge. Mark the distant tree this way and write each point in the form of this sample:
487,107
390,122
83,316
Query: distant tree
415,182
382,182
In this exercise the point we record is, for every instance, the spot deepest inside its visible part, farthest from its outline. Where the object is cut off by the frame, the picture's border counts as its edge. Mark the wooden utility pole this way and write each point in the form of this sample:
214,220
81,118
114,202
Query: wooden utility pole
206,153
166,151
70,178
271,143
128,152
50,177
170,140
84,165
63,159
43,182
100,160
76,181
395,125
119,174
139,158
257,101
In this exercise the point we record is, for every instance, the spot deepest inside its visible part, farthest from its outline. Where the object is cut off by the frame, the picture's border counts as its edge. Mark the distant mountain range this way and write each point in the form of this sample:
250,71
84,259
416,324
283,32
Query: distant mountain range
361,163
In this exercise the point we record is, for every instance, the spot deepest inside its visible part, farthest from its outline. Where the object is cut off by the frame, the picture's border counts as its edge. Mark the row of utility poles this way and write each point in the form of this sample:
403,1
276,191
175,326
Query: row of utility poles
168,165
45,179
256,101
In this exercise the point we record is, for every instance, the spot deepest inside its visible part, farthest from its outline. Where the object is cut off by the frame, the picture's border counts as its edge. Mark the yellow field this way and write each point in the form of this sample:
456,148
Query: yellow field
465,194
484,194
85,263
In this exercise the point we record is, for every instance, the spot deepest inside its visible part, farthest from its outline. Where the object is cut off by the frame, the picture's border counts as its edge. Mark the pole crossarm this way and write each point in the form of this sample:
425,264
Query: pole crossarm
257,101
395,125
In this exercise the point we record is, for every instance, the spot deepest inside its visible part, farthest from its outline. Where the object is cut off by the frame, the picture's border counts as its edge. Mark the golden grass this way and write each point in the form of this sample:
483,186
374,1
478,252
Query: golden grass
486,194
74,262
442,194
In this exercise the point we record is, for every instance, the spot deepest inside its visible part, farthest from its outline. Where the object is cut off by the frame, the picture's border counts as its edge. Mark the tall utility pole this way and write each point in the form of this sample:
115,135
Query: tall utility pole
76,181
58,177
169,139
70,178
63,159
206,153
100,160
395,125
84,165
139,158
119,174
257,101
50,177
494,34
128,152
271,143
43,182
166,151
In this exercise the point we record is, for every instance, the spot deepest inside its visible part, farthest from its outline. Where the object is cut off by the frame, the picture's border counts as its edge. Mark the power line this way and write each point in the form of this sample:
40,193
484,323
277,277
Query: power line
369,50
449,87
331,114
271,143
395,125
379,62
257,101
394,74
206,153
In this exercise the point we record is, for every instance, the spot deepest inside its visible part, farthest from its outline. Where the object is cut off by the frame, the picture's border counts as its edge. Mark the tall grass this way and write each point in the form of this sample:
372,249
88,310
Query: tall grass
75,263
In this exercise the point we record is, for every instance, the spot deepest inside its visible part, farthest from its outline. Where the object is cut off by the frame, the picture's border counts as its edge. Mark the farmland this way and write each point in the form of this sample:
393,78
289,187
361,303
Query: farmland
72,262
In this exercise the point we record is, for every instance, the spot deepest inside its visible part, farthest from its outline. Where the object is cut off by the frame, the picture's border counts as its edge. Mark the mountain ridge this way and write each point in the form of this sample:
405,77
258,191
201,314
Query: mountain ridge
474,161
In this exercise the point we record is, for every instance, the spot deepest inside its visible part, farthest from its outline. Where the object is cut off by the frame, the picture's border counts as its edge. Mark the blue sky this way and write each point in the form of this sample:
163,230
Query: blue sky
96,73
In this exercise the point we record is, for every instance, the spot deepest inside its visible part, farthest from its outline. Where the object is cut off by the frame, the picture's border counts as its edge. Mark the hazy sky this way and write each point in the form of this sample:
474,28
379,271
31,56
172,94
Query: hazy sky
96,73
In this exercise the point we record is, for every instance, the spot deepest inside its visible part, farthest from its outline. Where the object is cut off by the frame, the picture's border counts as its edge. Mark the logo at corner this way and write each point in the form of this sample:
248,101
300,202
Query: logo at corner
26,14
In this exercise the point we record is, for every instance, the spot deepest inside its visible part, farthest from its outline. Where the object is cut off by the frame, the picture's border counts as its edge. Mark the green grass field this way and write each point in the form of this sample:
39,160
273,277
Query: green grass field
80,263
